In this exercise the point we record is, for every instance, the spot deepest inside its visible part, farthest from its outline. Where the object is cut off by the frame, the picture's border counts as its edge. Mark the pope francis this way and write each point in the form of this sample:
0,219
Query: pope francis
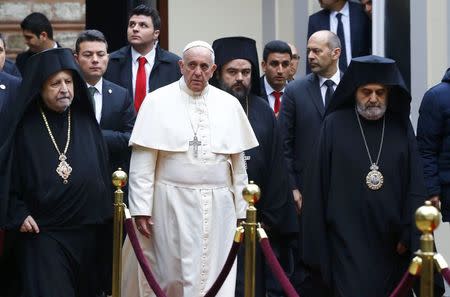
187,172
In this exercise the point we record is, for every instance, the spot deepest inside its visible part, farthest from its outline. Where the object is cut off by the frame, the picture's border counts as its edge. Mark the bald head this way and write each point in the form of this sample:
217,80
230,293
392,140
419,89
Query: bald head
324,49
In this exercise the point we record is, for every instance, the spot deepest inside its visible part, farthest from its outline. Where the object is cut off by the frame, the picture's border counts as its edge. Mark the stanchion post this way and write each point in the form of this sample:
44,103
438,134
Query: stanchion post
427,220
251,194
119,180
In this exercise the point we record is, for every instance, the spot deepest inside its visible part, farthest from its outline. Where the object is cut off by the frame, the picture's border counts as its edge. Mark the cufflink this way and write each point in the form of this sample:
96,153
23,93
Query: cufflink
2,86
109,91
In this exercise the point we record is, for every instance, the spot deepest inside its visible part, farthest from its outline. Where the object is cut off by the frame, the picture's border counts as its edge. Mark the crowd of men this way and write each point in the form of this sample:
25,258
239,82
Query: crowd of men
340,169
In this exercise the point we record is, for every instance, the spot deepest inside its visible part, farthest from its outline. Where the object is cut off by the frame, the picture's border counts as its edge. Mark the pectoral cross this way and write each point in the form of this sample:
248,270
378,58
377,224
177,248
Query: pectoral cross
195,143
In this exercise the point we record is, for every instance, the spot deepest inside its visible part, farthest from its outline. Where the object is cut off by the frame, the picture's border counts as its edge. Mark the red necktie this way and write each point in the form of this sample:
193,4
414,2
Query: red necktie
276,106
141,84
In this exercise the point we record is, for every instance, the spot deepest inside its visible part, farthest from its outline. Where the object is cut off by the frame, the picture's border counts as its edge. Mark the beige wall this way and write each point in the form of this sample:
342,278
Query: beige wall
211,19
437,42
284,18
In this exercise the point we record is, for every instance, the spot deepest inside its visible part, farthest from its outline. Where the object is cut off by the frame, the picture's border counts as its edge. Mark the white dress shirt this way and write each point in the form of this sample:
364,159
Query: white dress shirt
98,99
336,78
345,11
150,57
269,91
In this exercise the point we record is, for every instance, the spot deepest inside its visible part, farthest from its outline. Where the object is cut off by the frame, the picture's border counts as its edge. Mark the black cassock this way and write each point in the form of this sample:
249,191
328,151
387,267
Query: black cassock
70,217
266,167
71,255
351,232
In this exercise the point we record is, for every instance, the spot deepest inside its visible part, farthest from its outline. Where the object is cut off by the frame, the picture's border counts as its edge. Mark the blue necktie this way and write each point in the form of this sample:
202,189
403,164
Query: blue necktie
340,34
329,93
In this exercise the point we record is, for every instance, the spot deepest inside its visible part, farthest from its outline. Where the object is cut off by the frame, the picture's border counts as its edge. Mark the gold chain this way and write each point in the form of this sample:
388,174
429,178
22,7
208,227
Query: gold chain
51,134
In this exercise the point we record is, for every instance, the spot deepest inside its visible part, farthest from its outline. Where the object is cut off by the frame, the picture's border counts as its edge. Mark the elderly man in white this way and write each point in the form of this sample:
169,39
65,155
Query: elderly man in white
187,172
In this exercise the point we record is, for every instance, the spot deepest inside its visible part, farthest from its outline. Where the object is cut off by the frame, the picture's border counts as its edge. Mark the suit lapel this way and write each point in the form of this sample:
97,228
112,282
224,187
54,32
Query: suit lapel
315,94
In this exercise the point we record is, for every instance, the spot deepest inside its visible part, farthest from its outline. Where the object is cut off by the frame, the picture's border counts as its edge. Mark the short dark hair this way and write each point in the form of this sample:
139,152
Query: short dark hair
276,46
90,35
37,23
146,10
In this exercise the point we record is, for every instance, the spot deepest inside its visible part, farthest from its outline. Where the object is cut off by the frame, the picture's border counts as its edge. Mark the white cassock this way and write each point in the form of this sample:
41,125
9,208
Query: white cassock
194,200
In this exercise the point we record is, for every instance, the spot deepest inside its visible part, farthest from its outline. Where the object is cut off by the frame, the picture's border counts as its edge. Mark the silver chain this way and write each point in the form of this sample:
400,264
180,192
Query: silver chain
364,138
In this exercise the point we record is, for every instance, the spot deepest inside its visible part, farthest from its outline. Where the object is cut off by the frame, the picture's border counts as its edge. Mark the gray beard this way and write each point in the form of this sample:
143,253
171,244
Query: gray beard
371,113
241,95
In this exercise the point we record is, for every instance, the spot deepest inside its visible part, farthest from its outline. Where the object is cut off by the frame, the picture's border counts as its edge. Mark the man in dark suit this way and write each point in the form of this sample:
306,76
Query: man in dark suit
276,64
38,33
356,33
143,66
302,112
112,104
7,65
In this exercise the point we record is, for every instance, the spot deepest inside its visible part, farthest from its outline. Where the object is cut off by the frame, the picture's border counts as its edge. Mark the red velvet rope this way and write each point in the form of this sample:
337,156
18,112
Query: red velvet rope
142,260
404,286
446,275
276,268
225,270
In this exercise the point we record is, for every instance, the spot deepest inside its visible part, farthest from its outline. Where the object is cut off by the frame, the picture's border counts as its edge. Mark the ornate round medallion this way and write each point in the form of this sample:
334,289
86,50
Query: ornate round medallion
374,179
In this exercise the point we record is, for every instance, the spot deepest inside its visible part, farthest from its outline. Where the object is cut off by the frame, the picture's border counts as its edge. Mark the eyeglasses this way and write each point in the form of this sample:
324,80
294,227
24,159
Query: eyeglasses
295,57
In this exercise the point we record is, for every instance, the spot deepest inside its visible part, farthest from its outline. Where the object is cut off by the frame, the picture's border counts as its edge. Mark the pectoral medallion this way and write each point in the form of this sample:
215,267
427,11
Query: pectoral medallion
374,178
63,168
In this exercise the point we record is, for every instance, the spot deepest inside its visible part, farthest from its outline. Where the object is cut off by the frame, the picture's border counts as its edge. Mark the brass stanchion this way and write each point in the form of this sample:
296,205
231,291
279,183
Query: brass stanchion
119,180
427,220
251,194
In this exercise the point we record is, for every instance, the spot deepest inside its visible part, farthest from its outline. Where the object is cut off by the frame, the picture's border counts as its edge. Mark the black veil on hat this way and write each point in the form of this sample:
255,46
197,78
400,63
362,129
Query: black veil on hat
231,48
372,69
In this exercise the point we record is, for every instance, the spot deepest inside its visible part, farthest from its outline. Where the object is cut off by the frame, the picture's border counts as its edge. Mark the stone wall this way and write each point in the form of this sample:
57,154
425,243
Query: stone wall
67,18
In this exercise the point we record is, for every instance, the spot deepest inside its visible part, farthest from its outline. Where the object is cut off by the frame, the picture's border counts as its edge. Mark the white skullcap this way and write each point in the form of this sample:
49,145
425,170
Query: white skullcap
198,43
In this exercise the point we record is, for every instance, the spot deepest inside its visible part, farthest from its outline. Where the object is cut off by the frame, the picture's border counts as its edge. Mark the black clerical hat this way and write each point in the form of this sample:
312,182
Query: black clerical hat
42,65
372,69
231,48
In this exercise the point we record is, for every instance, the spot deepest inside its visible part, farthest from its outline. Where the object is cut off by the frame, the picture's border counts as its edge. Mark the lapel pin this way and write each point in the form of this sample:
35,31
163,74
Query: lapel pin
2,86
109,91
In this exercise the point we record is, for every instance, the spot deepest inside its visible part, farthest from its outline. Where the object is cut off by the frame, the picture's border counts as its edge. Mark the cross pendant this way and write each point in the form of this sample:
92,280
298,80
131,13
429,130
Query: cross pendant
195,143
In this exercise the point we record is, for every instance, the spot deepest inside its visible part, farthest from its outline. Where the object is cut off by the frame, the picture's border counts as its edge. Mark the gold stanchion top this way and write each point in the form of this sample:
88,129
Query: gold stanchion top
251,193
119,178
428,218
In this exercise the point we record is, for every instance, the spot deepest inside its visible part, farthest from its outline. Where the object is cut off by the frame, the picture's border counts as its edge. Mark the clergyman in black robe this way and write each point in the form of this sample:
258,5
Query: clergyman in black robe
54,218
359,228
238,74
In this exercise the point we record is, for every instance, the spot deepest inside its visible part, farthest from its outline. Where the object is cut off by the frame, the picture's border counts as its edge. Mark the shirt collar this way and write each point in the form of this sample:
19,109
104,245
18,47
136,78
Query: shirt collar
150,56
336,78
97,86
345,11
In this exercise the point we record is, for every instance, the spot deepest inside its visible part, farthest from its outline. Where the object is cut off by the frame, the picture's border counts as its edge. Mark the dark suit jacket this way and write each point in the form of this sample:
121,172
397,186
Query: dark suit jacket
117,122
11,68
9,89
360,28
164,71
300,119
